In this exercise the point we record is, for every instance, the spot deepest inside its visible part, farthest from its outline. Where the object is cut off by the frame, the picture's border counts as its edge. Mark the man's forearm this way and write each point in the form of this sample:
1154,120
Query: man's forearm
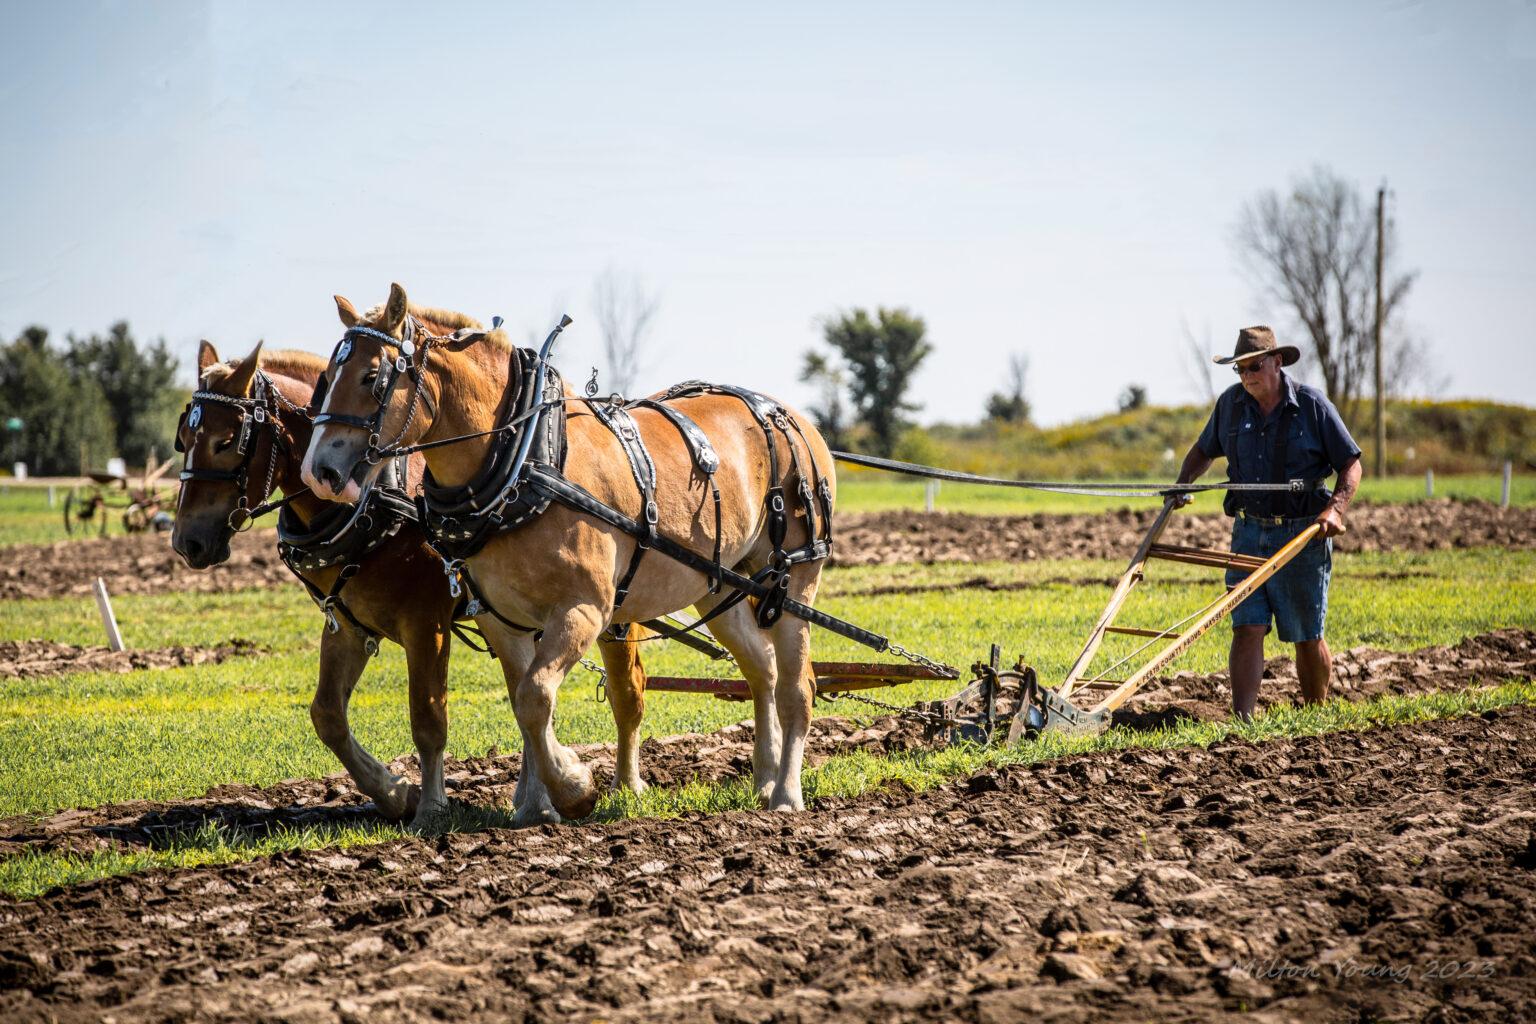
1195,464
1349,483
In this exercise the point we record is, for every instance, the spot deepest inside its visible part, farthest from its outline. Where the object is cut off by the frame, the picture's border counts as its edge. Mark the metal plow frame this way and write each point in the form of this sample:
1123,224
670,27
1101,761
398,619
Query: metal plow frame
973,714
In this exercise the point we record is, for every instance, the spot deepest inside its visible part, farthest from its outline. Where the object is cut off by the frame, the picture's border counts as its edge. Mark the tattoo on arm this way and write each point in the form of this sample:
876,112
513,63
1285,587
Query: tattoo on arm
1349,482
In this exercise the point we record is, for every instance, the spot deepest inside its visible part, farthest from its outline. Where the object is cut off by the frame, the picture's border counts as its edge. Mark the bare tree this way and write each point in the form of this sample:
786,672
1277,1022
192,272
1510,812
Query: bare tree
1012,406
1313,252
1197,361
624,310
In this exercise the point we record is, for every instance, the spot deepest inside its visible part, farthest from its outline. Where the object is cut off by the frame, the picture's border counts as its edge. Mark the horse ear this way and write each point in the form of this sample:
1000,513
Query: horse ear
240,381
207,355
394,310
346,311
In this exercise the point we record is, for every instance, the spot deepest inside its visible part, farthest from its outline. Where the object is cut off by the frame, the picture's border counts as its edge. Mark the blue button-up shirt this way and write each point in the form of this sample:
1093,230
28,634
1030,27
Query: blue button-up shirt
1317,442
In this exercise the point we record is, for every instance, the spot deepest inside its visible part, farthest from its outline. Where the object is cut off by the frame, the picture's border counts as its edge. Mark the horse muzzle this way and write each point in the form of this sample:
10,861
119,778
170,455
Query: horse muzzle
335,469
201,544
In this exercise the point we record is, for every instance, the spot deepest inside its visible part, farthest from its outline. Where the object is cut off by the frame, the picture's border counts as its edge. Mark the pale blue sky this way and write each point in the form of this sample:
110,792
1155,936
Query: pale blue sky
1060,180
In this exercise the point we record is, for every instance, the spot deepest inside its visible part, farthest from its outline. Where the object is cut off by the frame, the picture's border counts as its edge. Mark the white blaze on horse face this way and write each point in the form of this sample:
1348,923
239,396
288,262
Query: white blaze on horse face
350,491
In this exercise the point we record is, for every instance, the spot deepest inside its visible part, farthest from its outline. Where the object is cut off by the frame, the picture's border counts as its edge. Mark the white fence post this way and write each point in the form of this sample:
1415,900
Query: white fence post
1429,483
104,605
930,492
1509,469
50,495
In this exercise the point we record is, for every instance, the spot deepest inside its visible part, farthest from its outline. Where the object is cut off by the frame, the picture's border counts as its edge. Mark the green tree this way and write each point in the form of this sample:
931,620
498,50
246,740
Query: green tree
138,384
882,355
66,418
830,379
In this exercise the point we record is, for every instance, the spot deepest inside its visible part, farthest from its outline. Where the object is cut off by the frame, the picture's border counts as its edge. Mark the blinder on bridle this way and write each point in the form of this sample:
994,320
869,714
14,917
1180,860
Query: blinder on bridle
383,389
404,364
255,413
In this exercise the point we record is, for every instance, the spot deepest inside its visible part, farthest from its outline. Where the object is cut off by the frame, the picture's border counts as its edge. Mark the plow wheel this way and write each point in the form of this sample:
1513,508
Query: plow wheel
85,511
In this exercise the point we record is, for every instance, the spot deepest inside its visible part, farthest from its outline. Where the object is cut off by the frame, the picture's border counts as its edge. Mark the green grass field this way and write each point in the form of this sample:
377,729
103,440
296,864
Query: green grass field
165,734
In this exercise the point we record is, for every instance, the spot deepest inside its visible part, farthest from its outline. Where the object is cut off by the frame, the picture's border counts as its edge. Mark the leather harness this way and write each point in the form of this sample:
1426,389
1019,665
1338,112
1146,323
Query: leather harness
511,491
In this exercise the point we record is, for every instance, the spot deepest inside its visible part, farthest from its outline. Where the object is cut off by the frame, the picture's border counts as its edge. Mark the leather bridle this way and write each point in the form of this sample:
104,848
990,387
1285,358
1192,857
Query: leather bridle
258,411
404,364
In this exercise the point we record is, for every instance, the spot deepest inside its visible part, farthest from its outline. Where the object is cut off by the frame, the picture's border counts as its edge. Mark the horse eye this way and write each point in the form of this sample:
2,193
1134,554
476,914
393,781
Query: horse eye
369,378
224,445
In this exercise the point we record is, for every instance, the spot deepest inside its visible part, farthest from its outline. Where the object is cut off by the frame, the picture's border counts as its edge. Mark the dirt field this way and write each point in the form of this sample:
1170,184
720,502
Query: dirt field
1361,673
28,659
886,537
145,563
1380,875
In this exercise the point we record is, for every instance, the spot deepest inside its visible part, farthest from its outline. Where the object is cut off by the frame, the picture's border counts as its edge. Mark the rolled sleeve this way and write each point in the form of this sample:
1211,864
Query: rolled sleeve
1338,445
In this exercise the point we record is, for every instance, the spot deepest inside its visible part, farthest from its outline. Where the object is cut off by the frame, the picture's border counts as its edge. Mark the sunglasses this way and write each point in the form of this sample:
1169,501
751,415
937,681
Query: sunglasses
1252,366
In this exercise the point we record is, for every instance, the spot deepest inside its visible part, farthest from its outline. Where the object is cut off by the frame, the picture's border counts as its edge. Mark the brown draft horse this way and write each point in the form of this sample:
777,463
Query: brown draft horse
399,591
560,572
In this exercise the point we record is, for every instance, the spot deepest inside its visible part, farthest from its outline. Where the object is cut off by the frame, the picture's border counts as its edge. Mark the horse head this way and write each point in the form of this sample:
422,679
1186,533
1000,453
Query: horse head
236,436
218,453
374,397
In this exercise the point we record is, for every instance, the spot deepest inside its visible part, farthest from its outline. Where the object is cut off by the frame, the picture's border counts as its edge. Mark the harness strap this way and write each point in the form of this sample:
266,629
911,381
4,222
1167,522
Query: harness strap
330,603
622,424
574,496
704,457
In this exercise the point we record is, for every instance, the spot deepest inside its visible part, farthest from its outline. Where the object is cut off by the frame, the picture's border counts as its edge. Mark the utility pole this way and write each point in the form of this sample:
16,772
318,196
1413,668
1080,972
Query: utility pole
1381,413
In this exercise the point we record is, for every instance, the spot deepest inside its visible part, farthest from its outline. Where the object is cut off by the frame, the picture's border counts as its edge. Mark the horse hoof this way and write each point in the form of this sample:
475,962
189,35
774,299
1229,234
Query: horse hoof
399,802
635,786
427,818
579,806
535,814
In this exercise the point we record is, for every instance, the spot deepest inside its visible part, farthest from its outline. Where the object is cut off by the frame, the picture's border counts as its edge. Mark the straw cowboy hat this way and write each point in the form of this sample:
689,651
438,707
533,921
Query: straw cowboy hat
1253,342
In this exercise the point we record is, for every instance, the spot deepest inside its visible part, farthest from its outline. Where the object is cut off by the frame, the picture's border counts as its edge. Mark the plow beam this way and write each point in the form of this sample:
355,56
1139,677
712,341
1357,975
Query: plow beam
831,677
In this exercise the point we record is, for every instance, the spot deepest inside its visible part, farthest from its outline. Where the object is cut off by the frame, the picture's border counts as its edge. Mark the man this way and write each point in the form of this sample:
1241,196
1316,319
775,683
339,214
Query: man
1273,430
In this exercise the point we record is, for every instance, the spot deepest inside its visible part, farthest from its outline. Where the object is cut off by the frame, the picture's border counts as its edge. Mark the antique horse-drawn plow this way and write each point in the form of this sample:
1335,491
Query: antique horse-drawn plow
705,468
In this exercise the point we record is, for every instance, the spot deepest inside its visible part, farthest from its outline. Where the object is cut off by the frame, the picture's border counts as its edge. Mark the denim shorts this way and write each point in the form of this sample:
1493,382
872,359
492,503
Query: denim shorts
1296,597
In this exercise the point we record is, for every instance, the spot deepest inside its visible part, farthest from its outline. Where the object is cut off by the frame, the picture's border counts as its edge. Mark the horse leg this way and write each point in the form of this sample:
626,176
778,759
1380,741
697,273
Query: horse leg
342,660
568,633
426,658
796,689
626,695
514,650
738,632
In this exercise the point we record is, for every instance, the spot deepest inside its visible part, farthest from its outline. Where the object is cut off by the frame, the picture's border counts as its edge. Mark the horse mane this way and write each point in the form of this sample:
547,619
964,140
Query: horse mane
305,367
446,320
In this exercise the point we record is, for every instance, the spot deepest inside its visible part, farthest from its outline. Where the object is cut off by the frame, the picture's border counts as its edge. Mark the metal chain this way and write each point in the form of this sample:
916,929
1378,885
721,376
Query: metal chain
602,677
923,661
901,711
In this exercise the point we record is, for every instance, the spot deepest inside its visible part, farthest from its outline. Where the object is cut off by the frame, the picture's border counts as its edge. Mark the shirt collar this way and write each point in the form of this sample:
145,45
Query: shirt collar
1287,391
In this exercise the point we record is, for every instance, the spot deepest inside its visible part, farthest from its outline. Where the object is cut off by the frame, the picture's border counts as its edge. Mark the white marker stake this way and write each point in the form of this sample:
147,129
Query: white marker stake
104,605
1509,468
930,492
1429,483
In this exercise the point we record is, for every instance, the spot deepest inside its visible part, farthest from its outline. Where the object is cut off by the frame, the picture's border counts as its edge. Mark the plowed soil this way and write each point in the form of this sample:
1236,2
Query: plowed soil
146,564
1385,875
887,537
138,564
28,659
1360,674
